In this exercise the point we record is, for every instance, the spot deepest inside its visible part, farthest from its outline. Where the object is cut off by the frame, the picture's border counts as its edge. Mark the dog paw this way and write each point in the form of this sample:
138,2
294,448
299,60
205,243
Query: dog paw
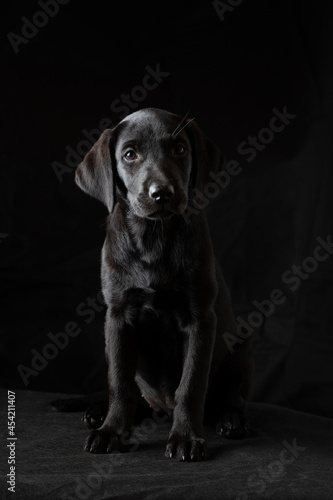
105,441
232,425
95,415
186,449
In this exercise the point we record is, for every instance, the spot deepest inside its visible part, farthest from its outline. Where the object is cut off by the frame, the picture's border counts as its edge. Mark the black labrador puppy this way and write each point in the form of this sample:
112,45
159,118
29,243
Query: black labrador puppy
168,306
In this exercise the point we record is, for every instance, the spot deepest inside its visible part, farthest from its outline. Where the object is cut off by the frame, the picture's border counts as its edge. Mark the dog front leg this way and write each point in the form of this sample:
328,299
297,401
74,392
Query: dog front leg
186,441
121,352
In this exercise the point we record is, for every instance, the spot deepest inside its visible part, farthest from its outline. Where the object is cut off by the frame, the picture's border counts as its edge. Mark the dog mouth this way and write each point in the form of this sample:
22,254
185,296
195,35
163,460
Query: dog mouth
163,213
160,211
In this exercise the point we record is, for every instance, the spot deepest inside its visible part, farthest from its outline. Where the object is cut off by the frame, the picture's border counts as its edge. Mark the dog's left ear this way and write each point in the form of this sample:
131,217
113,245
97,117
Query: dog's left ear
206,156
95,174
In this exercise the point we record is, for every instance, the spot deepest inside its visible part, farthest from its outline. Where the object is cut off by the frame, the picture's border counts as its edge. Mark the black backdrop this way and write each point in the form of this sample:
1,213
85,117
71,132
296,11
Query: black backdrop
233,68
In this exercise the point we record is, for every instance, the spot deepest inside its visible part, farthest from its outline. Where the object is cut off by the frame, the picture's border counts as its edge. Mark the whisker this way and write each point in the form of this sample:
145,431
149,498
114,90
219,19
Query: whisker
180,123
189,121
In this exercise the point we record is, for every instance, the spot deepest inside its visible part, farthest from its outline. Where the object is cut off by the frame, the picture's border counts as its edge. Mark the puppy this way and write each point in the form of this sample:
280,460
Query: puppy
168,306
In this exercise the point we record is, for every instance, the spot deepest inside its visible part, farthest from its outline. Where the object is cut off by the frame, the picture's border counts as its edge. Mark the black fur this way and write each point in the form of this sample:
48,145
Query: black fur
168,305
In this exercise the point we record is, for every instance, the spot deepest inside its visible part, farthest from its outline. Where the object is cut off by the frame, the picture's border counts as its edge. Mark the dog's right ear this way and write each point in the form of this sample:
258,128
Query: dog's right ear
95,174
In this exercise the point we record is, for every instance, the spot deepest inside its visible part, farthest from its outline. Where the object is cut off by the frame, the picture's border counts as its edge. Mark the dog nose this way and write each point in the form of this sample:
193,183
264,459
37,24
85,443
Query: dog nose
160,194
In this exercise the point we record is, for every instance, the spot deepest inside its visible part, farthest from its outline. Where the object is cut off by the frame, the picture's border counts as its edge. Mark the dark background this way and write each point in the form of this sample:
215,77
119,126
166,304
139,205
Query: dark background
229,74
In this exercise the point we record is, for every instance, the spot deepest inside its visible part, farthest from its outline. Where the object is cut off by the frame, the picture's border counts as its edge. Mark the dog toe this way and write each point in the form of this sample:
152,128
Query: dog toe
232,425
185,449
104,441
95,415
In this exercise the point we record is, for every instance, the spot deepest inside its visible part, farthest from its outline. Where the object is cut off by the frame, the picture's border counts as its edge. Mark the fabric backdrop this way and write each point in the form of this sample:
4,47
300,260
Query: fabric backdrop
257,77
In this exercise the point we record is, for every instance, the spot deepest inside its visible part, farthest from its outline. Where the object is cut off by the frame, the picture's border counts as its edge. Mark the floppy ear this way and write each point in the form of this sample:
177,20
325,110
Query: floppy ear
206,156
95,174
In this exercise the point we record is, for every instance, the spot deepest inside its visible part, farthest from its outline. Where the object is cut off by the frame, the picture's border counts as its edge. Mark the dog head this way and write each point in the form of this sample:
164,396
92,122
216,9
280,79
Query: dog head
153,160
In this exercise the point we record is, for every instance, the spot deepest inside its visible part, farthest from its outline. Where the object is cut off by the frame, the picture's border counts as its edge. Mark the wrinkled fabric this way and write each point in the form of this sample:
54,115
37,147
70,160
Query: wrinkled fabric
287,457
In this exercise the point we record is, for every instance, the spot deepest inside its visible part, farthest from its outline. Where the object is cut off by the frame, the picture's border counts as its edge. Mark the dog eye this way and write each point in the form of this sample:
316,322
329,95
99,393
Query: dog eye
179,150
130,155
